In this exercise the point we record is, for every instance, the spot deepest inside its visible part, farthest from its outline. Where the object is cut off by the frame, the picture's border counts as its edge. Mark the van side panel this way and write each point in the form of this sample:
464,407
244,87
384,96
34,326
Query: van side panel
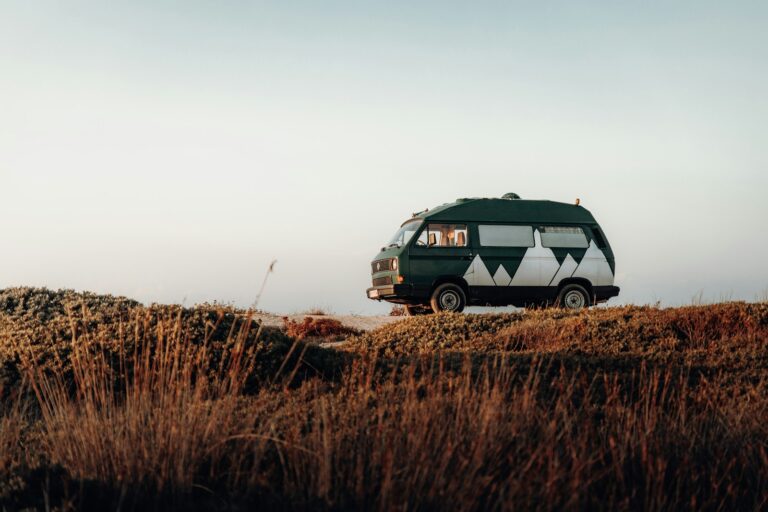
511,295
520,276
492,266
428,264
594,267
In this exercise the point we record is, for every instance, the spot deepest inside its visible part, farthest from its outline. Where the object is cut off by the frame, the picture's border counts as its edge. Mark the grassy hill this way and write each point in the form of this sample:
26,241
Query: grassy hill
107,403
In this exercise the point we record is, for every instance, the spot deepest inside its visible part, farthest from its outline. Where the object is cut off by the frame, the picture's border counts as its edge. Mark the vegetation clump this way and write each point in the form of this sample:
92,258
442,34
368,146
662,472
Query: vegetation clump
48,326
730,336
397,310
430,333
116,405
325,328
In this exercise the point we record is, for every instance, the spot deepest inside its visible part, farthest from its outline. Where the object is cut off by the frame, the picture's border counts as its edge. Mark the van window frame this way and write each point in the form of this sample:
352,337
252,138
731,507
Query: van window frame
586,232
524,224
598,236
425,224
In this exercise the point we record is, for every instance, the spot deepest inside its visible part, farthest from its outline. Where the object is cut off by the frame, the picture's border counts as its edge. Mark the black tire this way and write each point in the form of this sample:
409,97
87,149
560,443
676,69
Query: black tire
448,297
573,297
417,309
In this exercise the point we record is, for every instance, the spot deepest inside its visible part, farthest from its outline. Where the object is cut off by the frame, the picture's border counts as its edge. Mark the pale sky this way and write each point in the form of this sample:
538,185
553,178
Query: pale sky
168,151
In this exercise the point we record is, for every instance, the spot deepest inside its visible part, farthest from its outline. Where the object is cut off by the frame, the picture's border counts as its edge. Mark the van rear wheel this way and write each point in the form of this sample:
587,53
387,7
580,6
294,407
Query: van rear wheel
417,309
573,297
448,297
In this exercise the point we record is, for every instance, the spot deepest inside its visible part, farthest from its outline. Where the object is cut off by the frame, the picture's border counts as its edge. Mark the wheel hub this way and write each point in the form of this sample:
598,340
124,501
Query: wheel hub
574,300
449,301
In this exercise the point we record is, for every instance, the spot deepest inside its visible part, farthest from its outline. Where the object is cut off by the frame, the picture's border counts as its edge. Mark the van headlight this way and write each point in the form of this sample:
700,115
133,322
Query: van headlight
394,264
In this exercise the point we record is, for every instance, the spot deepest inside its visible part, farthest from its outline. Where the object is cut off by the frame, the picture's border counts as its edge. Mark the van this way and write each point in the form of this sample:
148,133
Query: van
495,252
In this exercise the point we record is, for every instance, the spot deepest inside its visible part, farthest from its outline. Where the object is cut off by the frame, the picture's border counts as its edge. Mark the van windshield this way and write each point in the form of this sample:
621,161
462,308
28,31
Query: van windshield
404,234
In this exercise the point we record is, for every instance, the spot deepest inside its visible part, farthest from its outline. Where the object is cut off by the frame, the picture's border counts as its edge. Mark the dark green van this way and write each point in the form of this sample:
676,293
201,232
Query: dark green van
496,252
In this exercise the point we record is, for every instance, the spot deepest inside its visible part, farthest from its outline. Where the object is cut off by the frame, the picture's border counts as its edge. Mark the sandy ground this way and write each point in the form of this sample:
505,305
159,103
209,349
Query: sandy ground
362,323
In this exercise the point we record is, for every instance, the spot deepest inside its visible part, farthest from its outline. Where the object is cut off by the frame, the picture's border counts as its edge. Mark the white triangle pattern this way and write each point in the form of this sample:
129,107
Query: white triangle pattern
477,274
566,270
501,277
549,267
539,267
595,267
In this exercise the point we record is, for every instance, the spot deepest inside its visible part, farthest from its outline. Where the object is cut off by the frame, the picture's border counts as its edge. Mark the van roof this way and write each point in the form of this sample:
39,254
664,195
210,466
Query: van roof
507,210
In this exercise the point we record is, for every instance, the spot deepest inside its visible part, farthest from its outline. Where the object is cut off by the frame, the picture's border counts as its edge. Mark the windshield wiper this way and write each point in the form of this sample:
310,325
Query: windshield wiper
393,245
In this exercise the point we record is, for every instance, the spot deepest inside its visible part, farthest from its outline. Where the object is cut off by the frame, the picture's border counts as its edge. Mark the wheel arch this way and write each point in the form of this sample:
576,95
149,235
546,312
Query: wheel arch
451,279
586,283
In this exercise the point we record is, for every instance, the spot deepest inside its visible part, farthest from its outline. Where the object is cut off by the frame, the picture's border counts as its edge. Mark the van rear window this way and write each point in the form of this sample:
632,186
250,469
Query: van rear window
563,236
506,236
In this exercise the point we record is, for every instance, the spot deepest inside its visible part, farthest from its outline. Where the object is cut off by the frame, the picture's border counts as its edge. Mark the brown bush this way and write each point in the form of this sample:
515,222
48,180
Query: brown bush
729,336
397,311
316,328
49,325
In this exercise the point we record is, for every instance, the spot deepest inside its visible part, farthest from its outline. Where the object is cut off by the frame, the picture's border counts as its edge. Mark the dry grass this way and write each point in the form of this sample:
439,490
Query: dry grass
168,408
552,440
13,421
154,418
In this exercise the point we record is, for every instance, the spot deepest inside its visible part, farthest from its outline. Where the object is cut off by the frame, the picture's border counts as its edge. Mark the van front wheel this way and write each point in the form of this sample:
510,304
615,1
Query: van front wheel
448,297
574,297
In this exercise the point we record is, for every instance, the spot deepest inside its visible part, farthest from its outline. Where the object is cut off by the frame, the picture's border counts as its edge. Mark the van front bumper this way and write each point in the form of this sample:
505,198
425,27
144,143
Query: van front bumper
398,293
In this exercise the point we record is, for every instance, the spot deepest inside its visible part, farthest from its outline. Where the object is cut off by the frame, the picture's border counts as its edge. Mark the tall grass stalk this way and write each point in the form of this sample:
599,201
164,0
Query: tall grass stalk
159,415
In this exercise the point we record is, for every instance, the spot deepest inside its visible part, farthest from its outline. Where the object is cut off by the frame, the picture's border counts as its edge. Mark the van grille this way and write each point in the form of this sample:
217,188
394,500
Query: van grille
381,265
382,281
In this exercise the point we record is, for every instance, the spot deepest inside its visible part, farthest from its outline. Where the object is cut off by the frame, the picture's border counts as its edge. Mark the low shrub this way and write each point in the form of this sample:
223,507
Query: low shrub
729,336
317,328
397,311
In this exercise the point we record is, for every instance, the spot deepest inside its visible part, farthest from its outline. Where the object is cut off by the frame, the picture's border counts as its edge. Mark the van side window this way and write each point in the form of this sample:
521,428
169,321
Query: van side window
443,235
563,236
506,236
